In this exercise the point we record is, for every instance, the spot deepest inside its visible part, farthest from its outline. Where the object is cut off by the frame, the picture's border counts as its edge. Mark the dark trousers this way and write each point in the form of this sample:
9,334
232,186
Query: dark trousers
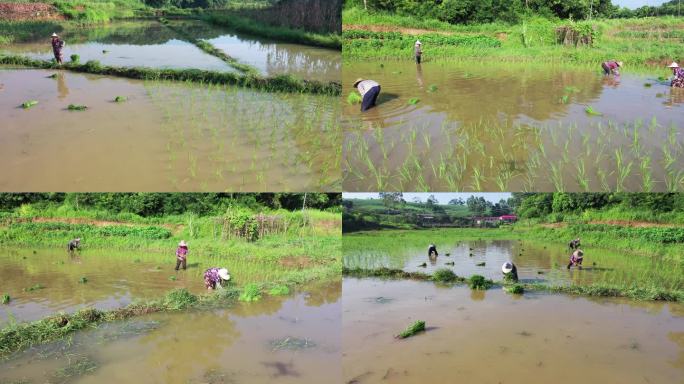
606,70
179,262
369,98
418,59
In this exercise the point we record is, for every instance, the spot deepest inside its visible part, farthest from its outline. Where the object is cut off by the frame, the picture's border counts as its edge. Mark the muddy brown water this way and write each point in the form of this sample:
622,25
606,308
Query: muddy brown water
151,44
511,127
536,262
167,136
492,337
247,342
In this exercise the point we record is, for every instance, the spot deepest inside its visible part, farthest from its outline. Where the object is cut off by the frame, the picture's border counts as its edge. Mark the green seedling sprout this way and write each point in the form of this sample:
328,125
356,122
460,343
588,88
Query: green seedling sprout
413,329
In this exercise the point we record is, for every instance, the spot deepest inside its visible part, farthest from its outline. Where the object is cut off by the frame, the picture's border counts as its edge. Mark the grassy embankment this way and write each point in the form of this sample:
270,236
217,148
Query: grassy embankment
302,247
280,83
643,44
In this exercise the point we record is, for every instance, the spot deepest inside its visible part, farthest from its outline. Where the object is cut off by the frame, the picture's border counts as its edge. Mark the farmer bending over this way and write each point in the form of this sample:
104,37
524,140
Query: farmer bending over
182,255
57,46
576,259
418,50
432,250
214,277
369,90
574,244
678,81
74,244
611,67
510,271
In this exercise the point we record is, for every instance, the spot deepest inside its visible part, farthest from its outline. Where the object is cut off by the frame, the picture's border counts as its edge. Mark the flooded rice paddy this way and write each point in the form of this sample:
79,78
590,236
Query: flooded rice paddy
152,44
114,278
276,340
493,337
512,127
536,261
166,136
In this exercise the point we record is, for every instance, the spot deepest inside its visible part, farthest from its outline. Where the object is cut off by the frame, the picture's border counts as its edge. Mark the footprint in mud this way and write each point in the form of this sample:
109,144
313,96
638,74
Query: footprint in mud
281,369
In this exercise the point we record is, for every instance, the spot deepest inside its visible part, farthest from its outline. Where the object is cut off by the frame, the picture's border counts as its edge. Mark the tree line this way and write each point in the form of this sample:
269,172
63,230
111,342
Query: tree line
532,205
160,204
511,11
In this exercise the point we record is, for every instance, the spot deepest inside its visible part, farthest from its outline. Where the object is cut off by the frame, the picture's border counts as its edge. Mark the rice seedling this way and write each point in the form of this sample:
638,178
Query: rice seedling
480,264
279,290
516,289
251,292
77,107
120,99
34,287
291,344
6,298
82,366
354,98
413,101
29,104
479,282
432,88
591,111
75,58
179,299
83,280
444,275
412,330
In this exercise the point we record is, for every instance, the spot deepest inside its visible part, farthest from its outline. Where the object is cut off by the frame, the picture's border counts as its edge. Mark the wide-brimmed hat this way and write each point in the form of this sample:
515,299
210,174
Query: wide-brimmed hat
54,35
357,81
673,65
182,244
580,252
223,273
418,42
620,63
507,267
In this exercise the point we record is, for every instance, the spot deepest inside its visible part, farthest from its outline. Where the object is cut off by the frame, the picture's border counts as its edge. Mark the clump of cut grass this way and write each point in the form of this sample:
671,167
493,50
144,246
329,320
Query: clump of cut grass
591,111
80,367
354,98
29,104
120,99
432,88
6,298
516,289
413,329
83,280
179,299
479,282
279,290
77,107
34,287
172,278
444,275
291,344
413,101
251,292
75,58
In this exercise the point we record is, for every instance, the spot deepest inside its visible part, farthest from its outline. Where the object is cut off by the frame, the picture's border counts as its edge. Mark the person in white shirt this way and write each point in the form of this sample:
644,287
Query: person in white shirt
369,90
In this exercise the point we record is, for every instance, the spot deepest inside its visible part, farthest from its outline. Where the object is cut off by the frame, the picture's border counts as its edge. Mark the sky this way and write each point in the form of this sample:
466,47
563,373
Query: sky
443,198
637,3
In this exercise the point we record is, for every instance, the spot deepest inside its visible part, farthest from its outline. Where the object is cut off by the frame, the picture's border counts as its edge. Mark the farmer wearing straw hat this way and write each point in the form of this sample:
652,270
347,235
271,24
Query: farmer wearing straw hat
678,81
576,259
182,255
369,90
214,277
510,271
418,50
57,46
611,66
74,244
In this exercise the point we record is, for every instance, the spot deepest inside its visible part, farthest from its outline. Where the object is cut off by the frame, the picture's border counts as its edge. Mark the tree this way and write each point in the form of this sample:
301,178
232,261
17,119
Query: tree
391,199
478,205
456,201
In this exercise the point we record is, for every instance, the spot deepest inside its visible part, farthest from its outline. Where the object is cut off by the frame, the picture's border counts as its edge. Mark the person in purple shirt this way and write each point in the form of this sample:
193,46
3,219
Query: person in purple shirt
678,81
182,255
214,277
57,46
576,259
611,67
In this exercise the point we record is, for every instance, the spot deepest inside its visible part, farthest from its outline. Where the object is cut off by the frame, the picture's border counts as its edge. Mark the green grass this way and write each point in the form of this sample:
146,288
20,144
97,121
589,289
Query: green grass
444,276
354,98
640,43
516,289
77,107
279,83
279,290
6,298
478,282
248,26
412,330
120,99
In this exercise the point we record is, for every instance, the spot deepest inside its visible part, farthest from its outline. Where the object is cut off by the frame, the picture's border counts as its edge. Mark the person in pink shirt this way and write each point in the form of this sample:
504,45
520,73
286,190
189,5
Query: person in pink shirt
182,255
611,67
